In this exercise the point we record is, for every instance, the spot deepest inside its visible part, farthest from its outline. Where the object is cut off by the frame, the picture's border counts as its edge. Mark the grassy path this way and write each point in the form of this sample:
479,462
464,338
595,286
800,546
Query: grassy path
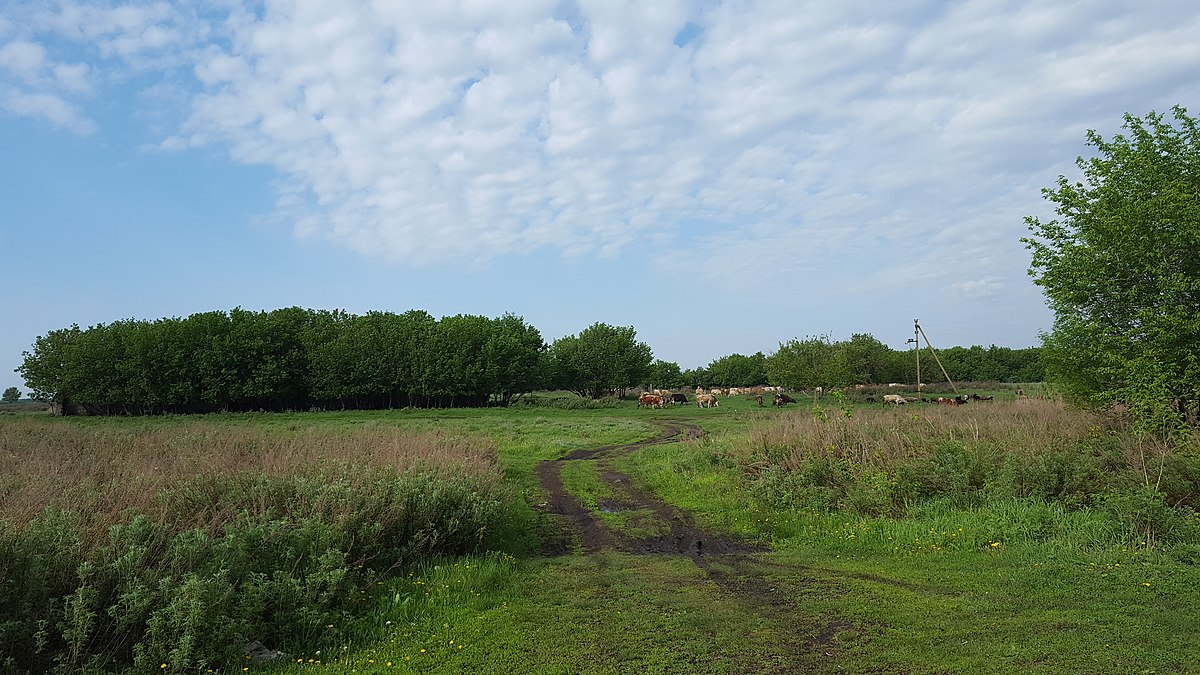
662,567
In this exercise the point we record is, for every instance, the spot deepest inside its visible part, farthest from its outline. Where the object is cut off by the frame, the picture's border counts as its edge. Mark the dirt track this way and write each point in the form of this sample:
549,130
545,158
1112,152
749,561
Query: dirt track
729,563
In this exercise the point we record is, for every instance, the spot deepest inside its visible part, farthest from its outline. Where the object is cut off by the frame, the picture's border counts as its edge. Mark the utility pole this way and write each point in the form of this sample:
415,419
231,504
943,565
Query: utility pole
935,358
916,343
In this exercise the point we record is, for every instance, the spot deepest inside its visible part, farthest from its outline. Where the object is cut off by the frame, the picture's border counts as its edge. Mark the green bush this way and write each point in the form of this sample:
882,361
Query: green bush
273,559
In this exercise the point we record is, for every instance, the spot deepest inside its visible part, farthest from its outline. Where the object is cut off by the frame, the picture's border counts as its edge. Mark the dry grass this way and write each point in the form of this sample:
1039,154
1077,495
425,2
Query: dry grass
100,471
884,436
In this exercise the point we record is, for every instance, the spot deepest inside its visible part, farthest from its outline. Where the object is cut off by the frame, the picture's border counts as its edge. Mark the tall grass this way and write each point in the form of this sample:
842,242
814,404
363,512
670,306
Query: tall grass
100,472
171,548
885,461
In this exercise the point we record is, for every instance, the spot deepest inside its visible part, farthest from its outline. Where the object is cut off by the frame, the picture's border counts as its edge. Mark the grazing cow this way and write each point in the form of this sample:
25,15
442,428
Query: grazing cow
679,398
782,399
894,399
650,401
706,401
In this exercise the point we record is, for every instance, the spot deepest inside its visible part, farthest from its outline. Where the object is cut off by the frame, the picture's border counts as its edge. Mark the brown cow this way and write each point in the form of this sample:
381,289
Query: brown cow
650,401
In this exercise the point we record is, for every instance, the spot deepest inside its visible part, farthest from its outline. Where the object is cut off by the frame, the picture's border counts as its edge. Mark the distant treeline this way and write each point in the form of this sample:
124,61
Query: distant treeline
287,359
820,362
300,359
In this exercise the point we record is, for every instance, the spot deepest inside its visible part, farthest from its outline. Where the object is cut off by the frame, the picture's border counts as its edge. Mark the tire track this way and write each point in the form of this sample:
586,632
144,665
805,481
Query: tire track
728,562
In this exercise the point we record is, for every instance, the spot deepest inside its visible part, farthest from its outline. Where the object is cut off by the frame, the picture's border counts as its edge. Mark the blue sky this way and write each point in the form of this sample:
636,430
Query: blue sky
722,176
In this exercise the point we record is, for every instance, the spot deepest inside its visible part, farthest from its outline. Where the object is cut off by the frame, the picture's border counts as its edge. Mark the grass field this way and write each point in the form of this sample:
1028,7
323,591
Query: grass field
1011,536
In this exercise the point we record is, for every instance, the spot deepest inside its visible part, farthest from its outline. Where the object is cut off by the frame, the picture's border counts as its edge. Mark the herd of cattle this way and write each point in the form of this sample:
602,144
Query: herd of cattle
659,398
961,399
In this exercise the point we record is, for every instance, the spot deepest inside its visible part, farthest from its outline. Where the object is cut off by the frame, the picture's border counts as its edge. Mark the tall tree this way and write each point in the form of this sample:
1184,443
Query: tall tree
10,395
601,360
1119,268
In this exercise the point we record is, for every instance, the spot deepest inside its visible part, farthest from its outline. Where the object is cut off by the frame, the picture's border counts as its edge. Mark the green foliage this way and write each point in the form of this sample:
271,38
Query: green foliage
812,362
285,567
738,370
602,360
665,375
287,359
11,395
1119,269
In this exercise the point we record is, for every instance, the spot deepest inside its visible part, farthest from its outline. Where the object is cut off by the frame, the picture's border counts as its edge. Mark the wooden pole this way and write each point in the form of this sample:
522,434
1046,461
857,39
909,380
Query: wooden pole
935,358
917,351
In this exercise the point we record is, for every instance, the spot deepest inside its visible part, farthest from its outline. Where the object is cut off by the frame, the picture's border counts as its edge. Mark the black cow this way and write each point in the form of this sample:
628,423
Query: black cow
679,398
782,399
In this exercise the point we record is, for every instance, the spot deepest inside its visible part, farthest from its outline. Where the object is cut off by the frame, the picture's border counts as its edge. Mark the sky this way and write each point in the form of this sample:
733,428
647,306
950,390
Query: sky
723,176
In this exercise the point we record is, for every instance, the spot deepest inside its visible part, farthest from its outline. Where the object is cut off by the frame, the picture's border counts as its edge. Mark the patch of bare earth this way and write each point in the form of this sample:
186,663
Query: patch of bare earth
729,563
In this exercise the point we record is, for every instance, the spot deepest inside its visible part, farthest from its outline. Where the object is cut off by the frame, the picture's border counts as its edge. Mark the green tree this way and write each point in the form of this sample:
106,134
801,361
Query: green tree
811,362
665,375
1119,268
868,359
11,395
738,370
47,369
601,360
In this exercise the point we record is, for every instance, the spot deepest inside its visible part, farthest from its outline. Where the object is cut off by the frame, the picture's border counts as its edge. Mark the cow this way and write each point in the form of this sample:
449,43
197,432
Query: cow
894,399
782,399
707,401
679,398
650,401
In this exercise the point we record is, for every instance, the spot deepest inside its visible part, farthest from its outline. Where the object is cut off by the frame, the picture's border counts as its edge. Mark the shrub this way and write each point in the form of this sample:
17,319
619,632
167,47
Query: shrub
191,572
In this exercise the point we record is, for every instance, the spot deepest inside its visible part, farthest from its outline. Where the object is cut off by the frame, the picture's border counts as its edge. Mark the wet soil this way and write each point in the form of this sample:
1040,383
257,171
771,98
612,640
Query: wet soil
729,562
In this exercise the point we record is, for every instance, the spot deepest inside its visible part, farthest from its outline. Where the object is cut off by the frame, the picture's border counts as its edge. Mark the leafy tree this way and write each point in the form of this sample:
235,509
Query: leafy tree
514,350
696,377
665,375
46,369
869,360
601,360
738,370
811,362
11,395
1119,268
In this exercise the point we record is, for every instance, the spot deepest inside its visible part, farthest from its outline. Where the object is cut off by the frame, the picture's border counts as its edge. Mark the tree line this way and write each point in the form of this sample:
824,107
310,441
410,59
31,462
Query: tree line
286,359
300,359
821,362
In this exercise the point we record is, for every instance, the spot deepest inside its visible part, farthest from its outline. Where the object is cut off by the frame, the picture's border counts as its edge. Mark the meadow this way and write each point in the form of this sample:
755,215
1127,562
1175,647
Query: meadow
1012,535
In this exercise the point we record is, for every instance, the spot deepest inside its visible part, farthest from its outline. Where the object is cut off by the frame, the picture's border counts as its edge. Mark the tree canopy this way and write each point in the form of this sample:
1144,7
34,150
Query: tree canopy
602,360
286,359
1119,268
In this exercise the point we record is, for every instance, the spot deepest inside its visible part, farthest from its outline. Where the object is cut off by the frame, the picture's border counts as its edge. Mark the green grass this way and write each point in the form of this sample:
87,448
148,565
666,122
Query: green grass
992,586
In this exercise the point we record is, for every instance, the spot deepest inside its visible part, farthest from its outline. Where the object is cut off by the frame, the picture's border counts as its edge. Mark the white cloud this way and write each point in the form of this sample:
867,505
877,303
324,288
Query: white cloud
903,141
46,107
23,59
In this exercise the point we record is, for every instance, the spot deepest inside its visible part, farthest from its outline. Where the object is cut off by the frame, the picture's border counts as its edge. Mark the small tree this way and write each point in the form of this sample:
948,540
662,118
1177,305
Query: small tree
812,362
1119,268
11,395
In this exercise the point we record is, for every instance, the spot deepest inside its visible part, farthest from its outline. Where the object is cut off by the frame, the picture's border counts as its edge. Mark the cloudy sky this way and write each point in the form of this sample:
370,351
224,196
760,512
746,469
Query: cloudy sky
723,176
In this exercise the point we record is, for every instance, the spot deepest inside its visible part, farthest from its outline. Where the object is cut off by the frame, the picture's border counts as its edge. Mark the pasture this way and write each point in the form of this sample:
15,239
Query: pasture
824,536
